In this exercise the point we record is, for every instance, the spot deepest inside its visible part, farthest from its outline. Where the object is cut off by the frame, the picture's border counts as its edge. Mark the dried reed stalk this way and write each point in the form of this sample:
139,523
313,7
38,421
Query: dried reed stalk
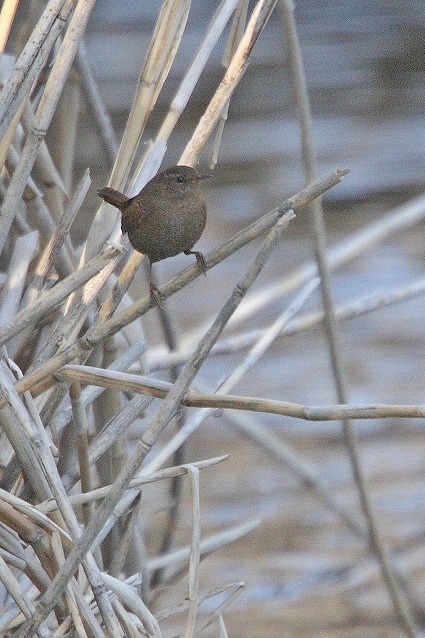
71,502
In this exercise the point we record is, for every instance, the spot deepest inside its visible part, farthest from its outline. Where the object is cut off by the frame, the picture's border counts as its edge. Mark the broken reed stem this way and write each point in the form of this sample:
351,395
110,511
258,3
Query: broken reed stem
32,59
48,257
49,300
234,73
166,411
182,96
44,114
236,32
100,492
220,609
25,249
163,47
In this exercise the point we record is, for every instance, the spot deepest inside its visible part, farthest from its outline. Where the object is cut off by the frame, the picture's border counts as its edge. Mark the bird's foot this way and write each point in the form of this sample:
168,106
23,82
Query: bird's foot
155,294
200,259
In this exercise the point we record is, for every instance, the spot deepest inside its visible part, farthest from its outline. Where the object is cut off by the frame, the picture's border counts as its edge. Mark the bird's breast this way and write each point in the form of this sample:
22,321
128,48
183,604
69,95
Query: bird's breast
165,231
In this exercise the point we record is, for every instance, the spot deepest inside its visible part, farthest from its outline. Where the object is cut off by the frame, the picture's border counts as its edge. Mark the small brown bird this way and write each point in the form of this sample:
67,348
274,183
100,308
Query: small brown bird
166,218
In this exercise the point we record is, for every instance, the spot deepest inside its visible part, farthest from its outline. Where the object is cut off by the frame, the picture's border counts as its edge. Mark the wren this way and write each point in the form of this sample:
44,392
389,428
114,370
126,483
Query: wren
166,218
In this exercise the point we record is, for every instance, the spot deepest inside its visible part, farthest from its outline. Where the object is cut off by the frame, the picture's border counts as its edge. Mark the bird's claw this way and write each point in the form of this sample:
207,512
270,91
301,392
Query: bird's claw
156,295
200,259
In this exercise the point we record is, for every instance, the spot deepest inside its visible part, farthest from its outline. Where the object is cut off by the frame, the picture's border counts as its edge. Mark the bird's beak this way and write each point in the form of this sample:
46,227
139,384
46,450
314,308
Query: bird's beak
203,175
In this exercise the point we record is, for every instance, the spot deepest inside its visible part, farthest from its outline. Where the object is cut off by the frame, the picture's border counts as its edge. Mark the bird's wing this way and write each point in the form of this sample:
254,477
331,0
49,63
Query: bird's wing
135,216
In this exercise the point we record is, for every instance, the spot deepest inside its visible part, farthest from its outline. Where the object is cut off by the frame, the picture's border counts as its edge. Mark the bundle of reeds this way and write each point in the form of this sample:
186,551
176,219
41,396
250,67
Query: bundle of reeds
74,373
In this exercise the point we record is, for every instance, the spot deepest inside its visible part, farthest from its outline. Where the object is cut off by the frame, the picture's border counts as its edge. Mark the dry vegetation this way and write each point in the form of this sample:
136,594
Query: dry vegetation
74,351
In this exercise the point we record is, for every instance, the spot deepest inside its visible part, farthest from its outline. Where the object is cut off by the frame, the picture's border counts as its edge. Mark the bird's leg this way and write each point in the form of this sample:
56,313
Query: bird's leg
154,292
199,258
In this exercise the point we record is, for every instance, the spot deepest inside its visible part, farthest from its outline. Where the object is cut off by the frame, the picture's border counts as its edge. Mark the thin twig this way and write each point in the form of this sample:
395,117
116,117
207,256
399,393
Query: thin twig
62,230
82,444
145,385
318,232
158,358
235,36
208,545
122,542
218,611
100,492
195,553
97,105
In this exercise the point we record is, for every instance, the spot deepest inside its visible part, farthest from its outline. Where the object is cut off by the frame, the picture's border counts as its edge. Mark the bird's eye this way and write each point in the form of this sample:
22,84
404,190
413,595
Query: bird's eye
180,179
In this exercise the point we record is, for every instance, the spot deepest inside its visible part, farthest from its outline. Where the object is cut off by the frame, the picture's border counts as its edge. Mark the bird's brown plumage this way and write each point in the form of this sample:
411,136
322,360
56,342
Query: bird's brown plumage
167,217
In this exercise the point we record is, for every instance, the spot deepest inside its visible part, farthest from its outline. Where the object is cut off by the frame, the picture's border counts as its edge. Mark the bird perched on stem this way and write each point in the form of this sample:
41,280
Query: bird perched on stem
166,218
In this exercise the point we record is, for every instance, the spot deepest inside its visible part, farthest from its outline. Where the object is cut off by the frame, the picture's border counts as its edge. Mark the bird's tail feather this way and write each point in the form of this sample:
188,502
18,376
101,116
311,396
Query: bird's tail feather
113,197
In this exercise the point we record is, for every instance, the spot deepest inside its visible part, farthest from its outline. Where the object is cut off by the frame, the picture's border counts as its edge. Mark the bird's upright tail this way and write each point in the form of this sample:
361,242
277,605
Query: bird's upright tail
113,197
